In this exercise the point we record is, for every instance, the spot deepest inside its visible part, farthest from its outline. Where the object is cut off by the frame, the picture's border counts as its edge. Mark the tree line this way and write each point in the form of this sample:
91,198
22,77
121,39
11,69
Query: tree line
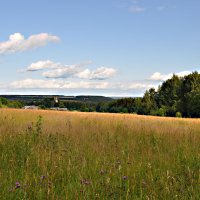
175,97
4,103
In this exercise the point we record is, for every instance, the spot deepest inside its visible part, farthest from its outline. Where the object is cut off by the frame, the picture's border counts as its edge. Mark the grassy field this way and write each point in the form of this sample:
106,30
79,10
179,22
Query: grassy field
71,155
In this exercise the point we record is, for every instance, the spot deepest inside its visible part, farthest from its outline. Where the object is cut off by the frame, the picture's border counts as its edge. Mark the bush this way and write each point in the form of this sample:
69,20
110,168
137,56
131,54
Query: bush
178,114
161,112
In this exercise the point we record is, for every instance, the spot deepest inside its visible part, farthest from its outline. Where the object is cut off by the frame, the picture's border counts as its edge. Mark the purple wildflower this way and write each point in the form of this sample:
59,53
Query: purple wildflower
43,177
102,172
124,178
17,185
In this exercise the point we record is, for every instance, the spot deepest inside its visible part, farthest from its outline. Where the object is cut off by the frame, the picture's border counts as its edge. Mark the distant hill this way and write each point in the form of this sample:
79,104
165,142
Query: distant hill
30,98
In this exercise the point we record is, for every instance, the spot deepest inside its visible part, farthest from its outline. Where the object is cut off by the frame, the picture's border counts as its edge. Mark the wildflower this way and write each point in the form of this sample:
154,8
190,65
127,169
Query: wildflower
42,177
124,178
17,185
102,172
85,182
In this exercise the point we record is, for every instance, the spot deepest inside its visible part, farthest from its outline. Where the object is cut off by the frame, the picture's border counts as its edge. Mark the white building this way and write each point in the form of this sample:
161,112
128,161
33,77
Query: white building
31,107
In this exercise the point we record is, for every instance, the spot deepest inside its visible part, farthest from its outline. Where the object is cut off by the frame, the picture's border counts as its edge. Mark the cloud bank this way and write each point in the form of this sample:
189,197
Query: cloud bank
63,84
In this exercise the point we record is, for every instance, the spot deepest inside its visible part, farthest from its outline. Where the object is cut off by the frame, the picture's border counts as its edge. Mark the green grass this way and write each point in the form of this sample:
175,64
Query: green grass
97,156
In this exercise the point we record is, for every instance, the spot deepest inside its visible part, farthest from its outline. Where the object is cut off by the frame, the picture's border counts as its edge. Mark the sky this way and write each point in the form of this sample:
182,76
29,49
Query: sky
96,47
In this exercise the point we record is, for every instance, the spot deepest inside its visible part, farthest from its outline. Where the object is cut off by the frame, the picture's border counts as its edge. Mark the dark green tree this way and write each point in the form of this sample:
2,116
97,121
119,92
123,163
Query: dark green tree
169,95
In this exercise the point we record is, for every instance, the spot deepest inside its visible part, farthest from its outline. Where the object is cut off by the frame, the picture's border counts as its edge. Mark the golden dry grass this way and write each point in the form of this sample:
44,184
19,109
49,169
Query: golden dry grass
98,156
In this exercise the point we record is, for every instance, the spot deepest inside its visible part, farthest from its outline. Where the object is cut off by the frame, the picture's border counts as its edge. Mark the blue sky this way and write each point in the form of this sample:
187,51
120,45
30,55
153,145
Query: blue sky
97,47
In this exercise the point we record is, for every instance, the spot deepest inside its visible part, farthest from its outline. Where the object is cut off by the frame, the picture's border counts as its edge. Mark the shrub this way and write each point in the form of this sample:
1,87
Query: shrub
178,114
161,112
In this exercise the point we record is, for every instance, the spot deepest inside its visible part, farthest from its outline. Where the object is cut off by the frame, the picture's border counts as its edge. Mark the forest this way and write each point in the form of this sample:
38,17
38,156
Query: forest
177,96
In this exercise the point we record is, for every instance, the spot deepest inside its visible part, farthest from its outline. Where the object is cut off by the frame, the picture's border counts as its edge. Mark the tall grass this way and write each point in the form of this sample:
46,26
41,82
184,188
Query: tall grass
65,155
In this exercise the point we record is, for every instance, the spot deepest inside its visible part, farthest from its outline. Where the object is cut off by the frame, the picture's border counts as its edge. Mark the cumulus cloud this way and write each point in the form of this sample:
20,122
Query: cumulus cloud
18,43
101,73
157,76
58,70
183,73
48,64
63,72
58,67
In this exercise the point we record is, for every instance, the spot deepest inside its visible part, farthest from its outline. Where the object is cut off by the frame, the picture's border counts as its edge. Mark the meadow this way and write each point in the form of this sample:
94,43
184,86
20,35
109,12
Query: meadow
73,155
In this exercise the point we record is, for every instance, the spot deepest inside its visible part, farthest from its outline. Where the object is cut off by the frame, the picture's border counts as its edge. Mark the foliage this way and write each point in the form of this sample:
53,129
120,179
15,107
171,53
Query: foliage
178,114
10,104
176,96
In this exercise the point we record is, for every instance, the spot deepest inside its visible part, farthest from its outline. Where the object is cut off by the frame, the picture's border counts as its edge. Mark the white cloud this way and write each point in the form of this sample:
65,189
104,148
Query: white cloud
59,70
48,64
136,9
86,73
142,86
2,85
157,76
18,43
183,73
34,83
64,72
58,67
85,85
101,73
63,84
56,84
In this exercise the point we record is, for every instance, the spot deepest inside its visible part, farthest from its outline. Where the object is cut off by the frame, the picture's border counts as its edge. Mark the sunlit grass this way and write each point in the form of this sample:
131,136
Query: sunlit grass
71,155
